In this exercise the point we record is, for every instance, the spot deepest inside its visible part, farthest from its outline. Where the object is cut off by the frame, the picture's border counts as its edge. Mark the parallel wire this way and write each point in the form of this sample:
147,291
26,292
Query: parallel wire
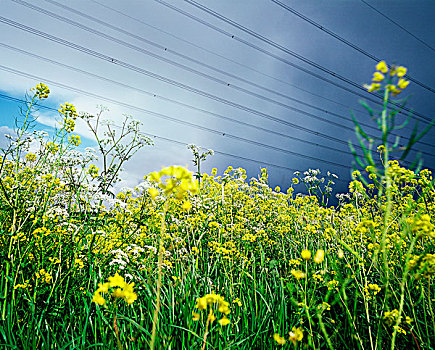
220,56
237,121
176,120
6,97
166,117
347,42
280,47
162,47
193,70
154,95
189,69
398,25
166,80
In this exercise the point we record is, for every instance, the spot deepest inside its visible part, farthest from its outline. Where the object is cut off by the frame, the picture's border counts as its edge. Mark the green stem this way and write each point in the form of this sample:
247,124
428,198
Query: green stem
159,279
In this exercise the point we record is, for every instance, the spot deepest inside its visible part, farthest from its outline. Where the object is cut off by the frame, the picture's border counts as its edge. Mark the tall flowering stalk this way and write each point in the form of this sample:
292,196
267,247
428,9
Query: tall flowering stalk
178,182
390,82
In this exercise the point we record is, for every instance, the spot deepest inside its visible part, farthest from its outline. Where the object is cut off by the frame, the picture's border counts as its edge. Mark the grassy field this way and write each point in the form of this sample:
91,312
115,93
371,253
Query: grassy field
224,263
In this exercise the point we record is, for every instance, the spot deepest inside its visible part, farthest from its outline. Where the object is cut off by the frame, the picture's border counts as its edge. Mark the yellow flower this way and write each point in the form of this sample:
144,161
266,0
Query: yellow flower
116,281
320,256
298,274
378,76
186,205
296,335
393,89
382,67
124,291
42,91
401,71
280,340
306,254
372,87
224,321
98,299
201,303
195,316
153,192
402,83
295,181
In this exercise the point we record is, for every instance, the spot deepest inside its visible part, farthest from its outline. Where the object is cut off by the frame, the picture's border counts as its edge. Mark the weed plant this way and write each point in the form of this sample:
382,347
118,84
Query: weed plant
225,264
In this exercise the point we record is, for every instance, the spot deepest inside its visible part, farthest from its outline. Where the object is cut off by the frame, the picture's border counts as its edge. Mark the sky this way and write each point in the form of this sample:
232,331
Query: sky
264,83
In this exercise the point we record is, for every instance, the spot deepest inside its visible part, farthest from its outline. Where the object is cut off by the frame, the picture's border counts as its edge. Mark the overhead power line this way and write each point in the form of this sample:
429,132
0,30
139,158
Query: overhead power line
115,82
166,80
10,98
181,65
166,117
280,47
347,42
398,25
219,55
189,69
154,95
176,120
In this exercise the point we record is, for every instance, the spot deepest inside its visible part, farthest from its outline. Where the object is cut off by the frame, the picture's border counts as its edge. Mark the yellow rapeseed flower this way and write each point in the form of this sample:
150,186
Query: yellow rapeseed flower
186,206
298,274
320,256
378,76
224,321
402,83
382,67
296,335
306,254
153,192
401,71
280,340
372,87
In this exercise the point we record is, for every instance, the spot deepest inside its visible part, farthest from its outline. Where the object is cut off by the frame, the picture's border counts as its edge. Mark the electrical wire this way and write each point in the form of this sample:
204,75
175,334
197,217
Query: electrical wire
218,55
416,114
347,42
162,47
7,97
178,64
176,120
154,95
237,121
166,117
189,69
166,80
398,25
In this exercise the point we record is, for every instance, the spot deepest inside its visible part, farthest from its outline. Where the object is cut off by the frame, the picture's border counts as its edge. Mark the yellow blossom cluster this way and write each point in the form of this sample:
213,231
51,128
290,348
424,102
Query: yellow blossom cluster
177,181
121,289
212,300
380,76
41,91
43,276
295,335
69,113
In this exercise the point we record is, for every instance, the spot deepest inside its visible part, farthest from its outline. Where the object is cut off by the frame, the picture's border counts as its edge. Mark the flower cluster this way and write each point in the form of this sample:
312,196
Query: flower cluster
41,91
124,290
43,276
93,171
295,335
396,87
69,113
177,181
211,300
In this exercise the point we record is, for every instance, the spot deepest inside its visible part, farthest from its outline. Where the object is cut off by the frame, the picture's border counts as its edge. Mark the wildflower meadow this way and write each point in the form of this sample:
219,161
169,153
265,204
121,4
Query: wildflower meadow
200,261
